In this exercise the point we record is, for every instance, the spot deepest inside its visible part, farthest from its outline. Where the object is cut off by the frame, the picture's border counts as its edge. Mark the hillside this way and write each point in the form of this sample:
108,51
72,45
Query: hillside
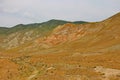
93,36
61,50
20,34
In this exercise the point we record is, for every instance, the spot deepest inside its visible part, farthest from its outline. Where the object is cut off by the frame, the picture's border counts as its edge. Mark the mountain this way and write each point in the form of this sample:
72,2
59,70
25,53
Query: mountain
56,34
20,34
61,50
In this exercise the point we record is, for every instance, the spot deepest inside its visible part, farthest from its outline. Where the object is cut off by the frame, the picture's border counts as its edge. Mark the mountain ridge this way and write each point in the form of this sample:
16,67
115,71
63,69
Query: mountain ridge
55,32
25,33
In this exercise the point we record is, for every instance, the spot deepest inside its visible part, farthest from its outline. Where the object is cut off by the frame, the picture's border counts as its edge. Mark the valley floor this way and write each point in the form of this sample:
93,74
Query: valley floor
60,66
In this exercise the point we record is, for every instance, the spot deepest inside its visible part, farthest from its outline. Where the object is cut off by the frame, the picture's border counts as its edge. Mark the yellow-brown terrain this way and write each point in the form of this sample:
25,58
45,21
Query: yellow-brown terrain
89,51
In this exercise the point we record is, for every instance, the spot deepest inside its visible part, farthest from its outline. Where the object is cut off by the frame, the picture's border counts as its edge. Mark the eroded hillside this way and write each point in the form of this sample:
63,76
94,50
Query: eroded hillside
68,51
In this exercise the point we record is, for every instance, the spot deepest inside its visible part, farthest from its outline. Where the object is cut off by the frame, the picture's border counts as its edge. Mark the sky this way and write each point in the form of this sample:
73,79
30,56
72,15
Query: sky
13,12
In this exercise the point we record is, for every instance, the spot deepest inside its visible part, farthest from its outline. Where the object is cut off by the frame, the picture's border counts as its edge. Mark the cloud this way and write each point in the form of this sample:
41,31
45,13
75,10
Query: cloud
27,11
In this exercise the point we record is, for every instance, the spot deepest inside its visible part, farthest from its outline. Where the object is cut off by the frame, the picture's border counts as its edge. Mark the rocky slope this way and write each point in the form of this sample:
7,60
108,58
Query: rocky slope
96,36
56,34
24,34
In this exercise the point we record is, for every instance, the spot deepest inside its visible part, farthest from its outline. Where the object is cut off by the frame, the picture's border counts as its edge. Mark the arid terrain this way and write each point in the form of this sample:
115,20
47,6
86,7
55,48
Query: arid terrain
61,50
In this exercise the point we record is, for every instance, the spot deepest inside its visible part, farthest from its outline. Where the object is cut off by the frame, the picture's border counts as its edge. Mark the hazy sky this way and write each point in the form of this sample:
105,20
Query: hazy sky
14,12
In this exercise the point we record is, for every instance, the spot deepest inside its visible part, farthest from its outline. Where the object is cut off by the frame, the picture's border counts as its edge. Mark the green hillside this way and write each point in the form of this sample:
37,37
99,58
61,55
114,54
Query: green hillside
23,34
